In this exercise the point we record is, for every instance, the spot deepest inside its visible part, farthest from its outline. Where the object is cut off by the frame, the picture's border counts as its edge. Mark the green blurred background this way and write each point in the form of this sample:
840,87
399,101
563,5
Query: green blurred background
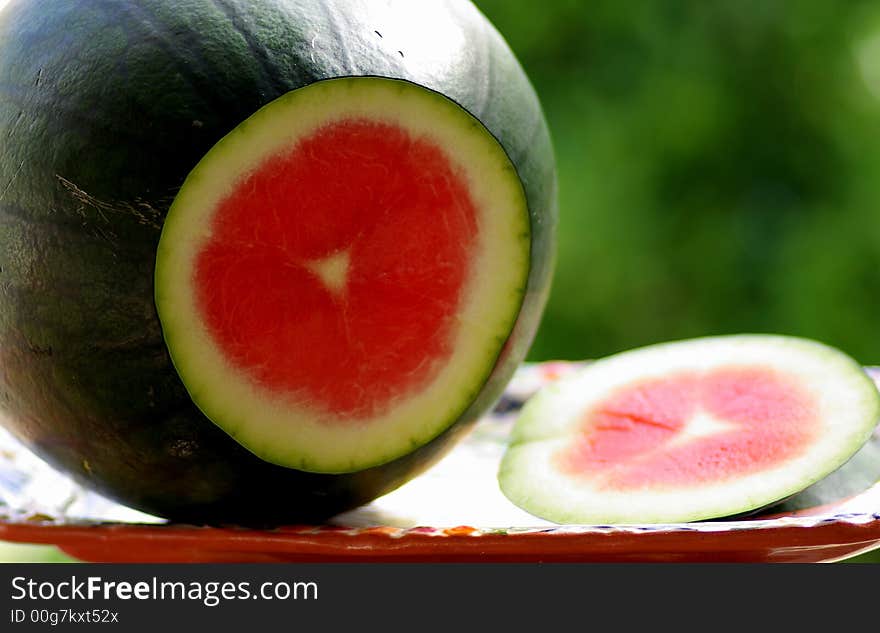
718,169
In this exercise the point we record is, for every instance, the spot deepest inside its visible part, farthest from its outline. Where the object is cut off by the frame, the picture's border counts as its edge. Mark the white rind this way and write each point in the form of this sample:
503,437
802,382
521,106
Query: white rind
302,435
848,409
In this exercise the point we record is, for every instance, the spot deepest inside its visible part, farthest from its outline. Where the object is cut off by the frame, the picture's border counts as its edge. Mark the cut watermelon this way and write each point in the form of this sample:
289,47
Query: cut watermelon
360,333
689,430
337,277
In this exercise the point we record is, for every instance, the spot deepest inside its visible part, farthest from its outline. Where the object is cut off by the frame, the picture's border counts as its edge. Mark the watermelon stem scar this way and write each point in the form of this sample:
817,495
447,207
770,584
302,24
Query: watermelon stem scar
336,277
690,430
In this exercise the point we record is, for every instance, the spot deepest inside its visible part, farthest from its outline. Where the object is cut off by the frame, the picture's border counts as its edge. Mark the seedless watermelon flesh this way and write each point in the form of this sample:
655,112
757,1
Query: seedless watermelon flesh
690,430
337,277
325,277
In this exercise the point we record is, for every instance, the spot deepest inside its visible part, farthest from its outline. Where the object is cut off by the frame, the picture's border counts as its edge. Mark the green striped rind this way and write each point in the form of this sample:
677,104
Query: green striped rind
301,434
849,409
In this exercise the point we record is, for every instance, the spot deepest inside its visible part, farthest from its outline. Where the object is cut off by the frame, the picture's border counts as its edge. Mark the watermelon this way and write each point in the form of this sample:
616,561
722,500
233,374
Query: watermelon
693,430
344,300
262,262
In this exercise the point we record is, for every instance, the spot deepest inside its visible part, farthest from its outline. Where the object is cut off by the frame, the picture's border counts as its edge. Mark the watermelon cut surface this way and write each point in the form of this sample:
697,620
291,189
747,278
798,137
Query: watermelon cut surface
337,277
687,431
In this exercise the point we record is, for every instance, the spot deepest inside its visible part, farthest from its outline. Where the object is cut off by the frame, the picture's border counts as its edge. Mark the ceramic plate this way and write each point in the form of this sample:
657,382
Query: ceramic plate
454,512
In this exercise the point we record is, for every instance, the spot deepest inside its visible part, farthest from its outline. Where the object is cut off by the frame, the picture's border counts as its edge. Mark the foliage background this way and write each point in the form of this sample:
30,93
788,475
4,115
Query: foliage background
718,169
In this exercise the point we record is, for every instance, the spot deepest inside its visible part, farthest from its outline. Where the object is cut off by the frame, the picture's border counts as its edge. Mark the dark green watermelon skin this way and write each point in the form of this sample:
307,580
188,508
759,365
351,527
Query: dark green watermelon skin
105,106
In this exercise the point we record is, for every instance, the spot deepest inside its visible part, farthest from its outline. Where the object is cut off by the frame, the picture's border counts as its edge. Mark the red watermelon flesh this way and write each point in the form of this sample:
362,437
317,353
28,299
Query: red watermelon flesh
689,430
334,271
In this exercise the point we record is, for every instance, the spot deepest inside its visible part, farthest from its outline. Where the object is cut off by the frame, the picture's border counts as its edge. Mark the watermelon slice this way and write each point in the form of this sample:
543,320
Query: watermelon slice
689,430
337,277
